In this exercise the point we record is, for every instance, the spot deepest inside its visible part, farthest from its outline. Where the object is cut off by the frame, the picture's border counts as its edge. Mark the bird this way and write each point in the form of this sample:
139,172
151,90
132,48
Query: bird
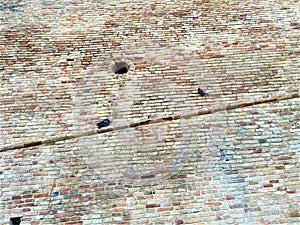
103,123
222,153
201,92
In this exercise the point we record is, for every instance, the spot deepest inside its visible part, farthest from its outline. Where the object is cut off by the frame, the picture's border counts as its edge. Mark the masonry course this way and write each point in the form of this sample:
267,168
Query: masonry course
169,155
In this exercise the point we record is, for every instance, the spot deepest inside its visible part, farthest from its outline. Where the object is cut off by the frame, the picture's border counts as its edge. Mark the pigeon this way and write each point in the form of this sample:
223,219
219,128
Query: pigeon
103,123
15,220
222,153
201,92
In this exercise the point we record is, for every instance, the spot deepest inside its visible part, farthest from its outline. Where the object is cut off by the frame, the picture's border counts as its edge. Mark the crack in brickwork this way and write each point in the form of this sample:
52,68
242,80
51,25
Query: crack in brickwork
152,121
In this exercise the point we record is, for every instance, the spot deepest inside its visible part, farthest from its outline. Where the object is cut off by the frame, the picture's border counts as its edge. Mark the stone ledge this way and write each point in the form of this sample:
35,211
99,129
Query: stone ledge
152,121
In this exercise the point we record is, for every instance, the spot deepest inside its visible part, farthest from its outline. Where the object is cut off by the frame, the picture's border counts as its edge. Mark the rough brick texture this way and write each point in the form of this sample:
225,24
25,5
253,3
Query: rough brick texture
234,166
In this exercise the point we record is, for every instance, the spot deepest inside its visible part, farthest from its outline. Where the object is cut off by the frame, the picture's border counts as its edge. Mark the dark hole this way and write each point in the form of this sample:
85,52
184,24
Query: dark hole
15,221
120,68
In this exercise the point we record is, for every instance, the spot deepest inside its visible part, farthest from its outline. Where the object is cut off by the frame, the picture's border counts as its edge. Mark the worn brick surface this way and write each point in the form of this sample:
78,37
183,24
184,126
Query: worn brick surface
239,166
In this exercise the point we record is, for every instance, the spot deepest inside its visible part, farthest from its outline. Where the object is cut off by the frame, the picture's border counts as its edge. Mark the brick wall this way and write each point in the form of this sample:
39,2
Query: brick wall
231,165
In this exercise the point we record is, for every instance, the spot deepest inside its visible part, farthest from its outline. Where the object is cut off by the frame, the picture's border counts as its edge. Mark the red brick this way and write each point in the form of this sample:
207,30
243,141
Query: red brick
65,219
145,197
164,209
27,196
26,209
116,214
284,157
229,198
152,205
41,195
213,203
16,197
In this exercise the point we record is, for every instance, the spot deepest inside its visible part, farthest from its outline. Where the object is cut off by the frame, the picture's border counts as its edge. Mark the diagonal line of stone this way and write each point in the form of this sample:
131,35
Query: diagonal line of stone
151,121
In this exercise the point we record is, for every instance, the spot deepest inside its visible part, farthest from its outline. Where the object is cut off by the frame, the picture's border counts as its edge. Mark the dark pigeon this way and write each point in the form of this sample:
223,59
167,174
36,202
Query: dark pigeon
201,92
15,220
103,123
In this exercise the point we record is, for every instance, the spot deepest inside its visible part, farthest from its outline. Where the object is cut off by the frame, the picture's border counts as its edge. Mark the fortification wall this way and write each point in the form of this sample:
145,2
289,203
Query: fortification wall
227,165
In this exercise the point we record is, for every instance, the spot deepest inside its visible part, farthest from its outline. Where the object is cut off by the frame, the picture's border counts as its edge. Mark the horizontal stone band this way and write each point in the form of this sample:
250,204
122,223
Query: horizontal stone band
152,121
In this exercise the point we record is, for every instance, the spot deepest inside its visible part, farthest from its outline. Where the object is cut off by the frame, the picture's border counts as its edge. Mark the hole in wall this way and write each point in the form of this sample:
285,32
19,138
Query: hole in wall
120,68
15,221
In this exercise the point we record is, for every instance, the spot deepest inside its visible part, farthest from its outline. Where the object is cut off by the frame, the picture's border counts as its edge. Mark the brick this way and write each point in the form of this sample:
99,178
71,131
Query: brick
213,203
165,209
252,209
153,205
235,206
16,197
230,198
41,195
